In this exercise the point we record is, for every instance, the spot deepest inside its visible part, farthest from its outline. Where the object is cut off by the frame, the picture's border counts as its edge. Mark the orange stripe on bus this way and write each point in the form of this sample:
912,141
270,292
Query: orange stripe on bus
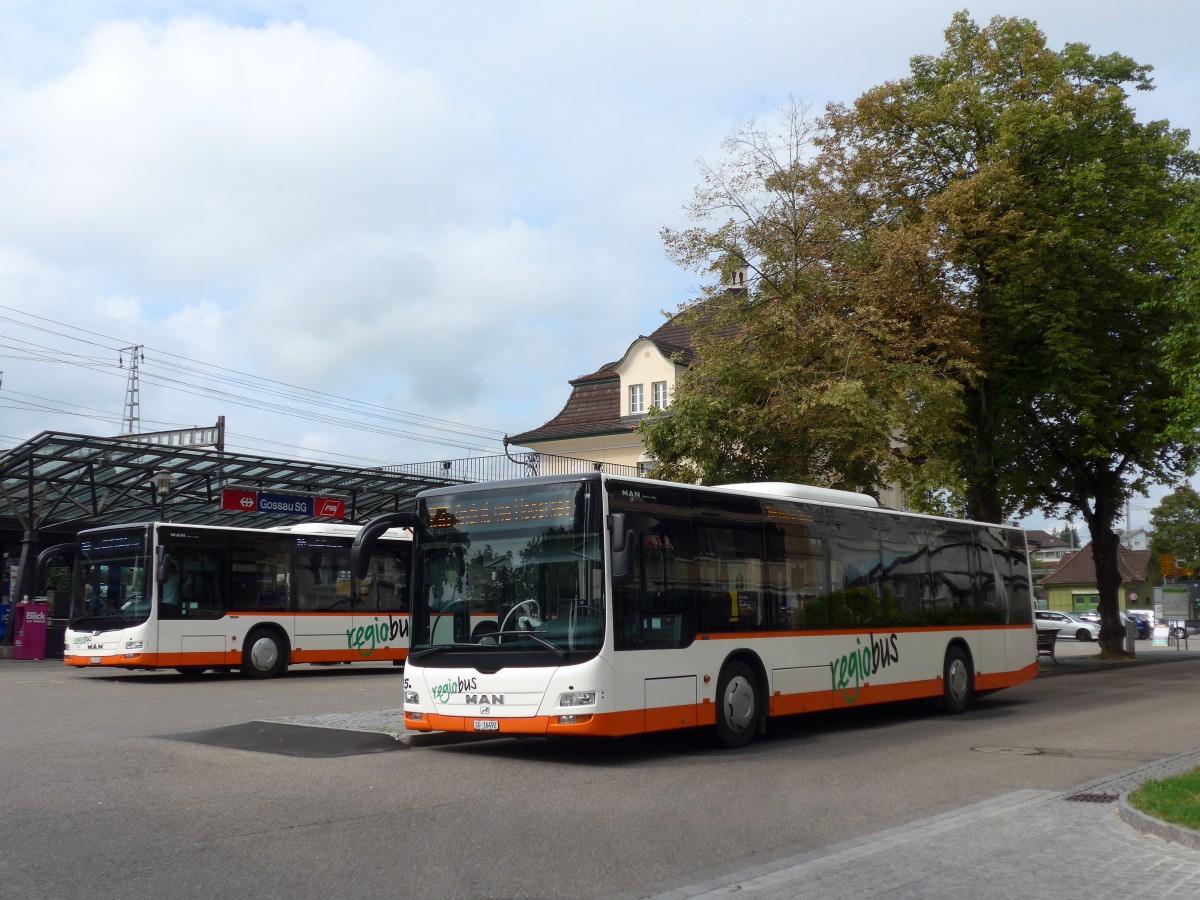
640,721
228,658
839,632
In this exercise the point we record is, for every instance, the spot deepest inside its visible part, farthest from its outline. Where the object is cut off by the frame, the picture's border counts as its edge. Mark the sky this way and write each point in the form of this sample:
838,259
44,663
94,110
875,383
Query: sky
387,232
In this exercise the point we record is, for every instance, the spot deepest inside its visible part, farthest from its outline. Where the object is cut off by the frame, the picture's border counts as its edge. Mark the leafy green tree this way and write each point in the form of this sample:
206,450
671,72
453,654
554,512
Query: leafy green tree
1069,535
806,374
998,221
1175,524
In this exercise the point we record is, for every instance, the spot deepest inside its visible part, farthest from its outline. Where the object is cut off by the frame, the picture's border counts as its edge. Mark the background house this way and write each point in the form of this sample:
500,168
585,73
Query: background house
1072,586
599,421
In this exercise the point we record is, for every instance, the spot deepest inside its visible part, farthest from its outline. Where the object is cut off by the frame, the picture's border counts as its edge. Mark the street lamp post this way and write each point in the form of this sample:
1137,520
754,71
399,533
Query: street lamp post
162,481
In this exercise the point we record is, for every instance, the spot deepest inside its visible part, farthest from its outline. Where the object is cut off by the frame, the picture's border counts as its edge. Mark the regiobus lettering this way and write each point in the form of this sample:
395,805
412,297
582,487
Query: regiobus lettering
878,654
375,633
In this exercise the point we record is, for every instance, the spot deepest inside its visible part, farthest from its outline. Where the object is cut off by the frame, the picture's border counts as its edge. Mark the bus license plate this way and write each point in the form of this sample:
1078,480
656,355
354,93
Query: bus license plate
487,725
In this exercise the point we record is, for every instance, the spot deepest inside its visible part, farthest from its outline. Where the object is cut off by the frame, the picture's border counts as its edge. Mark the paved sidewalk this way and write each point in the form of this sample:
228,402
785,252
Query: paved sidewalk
1023,844
1082,843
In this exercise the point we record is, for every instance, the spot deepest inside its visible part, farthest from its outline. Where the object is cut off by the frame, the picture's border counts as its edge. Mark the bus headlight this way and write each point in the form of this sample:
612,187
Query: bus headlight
134,645
411,698
577,698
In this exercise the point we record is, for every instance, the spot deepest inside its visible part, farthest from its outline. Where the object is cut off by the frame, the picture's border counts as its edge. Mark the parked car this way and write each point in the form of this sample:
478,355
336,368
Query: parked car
1140,622
1188,628
1068,625
1144,628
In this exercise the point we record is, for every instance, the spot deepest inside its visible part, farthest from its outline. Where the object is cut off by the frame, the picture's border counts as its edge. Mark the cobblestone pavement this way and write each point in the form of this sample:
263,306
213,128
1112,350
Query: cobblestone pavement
1076,844
1024,844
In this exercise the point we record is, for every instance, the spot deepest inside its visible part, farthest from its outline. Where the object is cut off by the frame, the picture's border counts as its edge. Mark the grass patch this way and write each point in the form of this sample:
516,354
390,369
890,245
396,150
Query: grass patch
1175,800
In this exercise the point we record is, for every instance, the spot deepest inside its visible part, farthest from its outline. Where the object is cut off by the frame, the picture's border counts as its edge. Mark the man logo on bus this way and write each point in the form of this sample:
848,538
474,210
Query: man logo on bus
476,699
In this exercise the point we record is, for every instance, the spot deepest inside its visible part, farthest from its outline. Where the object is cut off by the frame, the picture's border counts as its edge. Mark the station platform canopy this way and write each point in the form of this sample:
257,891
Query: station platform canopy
66,482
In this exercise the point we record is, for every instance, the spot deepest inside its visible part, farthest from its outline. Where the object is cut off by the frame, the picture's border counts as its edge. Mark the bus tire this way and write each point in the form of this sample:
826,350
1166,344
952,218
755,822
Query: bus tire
191,671
956,681
737,704
264,655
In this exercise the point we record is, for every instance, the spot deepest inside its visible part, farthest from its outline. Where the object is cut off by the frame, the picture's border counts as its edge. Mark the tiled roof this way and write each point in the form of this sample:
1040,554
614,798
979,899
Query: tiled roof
1044,540
594,406
1080,568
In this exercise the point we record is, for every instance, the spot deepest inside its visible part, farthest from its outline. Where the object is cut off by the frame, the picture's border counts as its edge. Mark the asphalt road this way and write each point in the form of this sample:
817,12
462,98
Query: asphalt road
146,785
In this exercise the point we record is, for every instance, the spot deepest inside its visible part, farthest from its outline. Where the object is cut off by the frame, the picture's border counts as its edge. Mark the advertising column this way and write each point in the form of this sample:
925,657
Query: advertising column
29,630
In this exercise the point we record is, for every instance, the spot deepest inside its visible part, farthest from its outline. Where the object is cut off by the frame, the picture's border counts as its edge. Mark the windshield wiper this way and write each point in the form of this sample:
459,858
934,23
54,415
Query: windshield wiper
425,652
549,645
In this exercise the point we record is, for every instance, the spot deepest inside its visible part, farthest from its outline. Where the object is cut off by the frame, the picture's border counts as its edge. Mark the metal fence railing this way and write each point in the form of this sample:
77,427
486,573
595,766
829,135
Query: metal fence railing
497,468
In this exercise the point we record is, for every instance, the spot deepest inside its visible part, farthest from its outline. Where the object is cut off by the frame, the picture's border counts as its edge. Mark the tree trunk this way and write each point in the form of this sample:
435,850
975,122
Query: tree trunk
1108,578
979,456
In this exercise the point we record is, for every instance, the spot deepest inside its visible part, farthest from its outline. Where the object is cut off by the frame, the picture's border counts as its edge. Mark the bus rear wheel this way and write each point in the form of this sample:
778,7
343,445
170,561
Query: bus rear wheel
263,655
956,681
737,705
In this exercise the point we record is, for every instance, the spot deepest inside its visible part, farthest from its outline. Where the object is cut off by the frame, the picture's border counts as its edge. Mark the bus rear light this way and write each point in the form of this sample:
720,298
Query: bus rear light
574,720
577,698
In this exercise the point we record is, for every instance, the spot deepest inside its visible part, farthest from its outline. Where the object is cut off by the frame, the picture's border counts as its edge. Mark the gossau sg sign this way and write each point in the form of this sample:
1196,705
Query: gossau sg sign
236,500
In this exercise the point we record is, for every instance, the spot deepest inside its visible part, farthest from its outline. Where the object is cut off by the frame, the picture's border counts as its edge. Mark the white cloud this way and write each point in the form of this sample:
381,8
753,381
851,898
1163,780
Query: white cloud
193,152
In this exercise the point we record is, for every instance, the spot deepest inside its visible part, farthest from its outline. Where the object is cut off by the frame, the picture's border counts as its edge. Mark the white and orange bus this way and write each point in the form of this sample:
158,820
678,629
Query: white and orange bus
197,597
617,606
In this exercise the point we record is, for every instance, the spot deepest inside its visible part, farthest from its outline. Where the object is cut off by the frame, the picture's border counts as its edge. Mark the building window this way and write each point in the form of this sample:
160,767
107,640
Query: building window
659,399
637,399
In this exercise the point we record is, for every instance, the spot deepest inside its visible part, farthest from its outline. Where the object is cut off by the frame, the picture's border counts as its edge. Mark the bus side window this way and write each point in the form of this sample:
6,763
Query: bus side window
732,579
655,610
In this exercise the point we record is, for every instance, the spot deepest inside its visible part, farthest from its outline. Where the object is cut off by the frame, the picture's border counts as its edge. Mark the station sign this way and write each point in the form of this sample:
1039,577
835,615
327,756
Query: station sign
237,500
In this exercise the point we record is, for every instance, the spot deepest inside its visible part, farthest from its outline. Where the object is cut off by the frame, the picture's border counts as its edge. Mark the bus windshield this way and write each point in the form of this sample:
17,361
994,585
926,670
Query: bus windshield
512,569
112,590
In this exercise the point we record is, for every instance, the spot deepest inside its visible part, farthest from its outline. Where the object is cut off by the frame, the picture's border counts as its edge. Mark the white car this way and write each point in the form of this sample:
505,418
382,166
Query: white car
1068,625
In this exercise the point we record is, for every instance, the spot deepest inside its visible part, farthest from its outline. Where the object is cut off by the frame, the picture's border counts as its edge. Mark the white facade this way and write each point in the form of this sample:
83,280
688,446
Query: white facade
645,366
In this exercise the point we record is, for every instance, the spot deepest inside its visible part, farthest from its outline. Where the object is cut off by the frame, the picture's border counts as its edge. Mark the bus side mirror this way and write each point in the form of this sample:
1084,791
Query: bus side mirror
162,561
47,556
364,541
622,549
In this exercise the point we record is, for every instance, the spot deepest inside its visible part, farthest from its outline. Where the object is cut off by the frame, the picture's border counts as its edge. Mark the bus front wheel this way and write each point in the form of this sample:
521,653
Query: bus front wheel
956,681
263,655
737,704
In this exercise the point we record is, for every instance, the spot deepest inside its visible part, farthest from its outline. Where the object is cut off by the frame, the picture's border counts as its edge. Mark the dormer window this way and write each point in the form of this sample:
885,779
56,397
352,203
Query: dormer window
637,399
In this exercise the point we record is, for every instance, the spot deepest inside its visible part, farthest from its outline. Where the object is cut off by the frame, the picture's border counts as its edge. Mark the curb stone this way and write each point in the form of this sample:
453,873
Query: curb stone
1139,821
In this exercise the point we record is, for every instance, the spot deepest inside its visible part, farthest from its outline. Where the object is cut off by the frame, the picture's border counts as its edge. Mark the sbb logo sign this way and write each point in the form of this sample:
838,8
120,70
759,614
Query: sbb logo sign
239,501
